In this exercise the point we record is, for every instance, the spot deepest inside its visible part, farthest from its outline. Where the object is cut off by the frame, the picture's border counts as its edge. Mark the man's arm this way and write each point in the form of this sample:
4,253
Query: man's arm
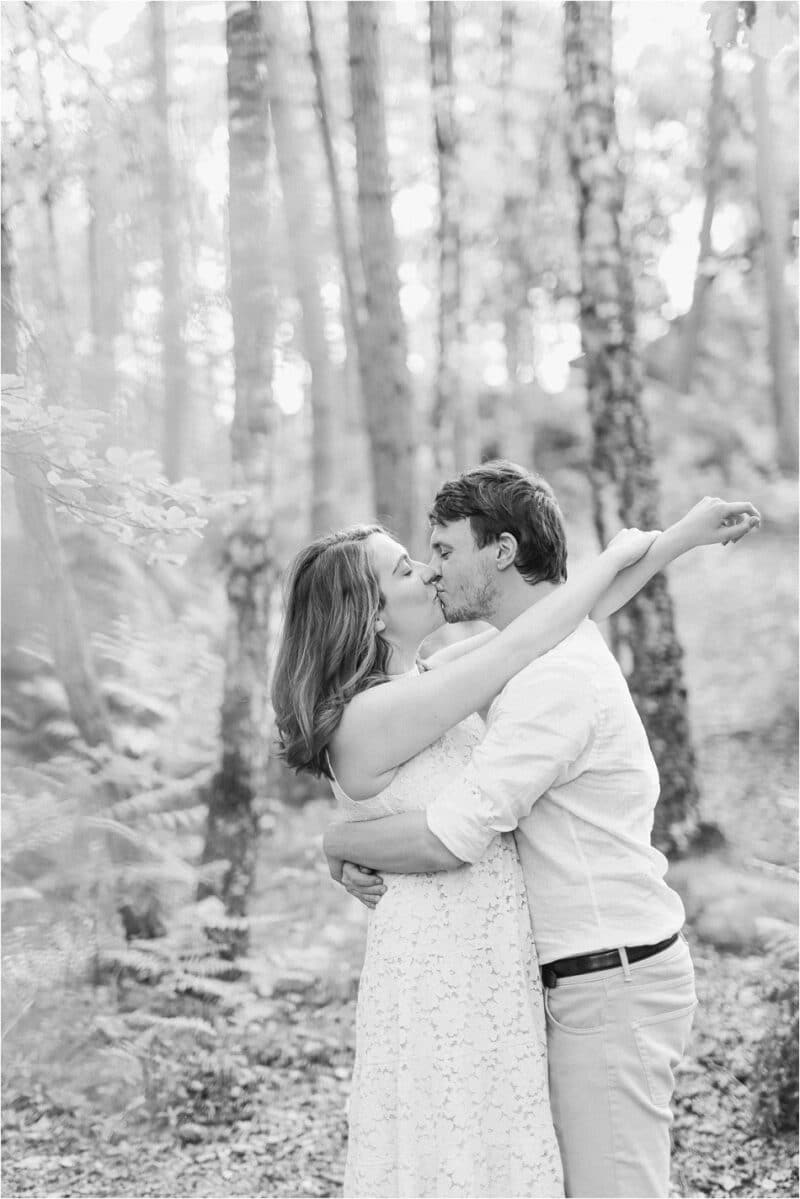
540,725
401,844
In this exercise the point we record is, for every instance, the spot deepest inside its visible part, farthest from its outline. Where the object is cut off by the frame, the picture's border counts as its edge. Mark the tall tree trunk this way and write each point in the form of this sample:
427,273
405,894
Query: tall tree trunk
622,477
26,462
353,308
453,420
712,176
387,385
173,349
300,211
105,285
512,426
9,323
232,834
48,195
774,226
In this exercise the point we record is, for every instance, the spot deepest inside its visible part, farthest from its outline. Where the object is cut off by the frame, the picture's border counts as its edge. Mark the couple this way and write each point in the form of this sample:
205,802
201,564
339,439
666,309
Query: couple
450,1089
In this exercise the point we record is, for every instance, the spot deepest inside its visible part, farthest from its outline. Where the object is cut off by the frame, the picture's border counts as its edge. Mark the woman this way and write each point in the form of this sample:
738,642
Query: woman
450,1094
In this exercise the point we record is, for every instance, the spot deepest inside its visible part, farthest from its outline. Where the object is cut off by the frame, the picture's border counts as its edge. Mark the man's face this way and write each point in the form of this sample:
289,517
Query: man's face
466,577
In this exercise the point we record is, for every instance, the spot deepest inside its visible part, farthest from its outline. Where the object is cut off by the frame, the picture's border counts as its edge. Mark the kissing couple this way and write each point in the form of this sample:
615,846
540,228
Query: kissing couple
526,991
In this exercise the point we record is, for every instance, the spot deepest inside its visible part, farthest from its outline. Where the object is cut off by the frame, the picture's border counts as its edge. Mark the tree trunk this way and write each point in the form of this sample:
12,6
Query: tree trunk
774,226
357,459
48,195
9,323
232,834
622,476
387,386
300,207
173,349
511,425
25,457
105,283
704,275
453,421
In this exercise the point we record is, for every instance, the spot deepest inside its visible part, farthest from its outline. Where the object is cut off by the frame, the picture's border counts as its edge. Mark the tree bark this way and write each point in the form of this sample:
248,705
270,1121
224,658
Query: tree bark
712,175
25,459
353,307
232,834
774,226
387,385
173,348
300,209
513,431
9,323
622,476
453,421
49,192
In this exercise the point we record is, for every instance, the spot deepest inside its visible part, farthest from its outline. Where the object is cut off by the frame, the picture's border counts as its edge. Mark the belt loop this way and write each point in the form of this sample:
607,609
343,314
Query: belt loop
626,966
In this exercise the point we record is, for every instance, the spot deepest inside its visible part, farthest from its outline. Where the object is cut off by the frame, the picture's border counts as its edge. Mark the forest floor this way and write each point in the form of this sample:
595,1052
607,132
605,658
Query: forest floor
264,1114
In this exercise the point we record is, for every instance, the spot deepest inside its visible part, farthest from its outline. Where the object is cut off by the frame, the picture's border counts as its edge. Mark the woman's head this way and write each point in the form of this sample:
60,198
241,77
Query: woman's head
350,597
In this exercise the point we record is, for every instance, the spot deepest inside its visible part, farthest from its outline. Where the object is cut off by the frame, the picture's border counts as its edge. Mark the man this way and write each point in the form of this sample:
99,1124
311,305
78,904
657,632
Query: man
565,763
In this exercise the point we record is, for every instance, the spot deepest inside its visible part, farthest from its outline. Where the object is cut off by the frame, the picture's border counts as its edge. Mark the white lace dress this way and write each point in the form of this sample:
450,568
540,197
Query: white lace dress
449,1094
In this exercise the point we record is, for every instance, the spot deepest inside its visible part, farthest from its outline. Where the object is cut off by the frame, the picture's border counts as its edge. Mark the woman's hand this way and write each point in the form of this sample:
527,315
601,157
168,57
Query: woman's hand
630,545
717,522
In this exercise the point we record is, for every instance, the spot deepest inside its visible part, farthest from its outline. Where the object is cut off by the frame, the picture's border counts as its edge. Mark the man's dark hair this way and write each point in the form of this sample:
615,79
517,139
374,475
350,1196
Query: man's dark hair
501,497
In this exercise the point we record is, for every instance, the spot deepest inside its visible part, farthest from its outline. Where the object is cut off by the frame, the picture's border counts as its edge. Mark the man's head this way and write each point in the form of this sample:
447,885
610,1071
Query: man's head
494,527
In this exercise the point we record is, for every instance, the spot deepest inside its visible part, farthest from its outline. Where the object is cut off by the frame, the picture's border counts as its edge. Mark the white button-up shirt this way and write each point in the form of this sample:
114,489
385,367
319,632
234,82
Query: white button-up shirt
566,763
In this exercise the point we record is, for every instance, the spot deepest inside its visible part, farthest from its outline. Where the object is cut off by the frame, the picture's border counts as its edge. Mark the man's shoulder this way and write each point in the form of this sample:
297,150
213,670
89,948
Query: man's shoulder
580,652
568,671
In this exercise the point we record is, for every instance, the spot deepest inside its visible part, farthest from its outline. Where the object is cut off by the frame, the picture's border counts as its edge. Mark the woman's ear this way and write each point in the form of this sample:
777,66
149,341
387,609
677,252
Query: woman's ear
506,551
380,625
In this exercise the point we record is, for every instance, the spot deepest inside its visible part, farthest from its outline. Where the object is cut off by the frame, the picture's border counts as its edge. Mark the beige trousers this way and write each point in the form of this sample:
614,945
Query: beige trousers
614,1039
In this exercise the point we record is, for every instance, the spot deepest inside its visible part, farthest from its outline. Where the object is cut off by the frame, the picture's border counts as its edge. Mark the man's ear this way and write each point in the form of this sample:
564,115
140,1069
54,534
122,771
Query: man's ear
505,551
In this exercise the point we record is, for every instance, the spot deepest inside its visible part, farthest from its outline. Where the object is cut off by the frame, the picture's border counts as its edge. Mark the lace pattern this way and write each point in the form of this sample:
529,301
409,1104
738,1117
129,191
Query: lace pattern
449,1094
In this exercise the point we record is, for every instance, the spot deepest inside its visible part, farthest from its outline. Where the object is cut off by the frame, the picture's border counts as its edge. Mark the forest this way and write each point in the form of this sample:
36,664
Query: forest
272,268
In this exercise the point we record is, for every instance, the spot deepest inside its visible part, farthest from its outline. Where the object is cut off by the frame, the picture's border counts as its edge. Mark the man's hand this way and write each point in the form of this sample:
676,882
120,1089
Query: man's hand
363,884
335,860
718,522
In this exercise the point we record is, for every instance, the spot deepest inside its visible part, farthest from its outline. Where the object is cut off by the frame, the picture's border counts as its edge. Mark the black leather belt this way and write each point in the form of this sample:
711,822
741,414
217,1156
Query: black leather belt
587,963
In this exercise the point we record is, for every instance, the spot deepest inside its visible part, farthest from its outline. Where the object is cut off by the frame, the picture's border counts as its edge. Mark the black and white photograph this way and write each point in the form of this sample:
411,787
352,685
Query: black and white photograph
399,599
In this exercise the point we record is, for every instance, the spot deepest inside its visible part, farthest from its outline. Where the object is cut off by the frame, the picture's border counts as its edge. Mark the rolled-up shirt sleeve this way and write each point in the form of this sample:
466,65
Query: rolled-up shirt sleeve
539,729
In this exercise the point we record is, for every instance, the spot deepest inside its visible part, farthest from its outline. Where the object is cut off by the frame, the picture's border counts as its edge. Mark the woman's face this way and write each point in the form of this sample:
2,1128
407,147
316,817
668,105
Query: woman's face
411,609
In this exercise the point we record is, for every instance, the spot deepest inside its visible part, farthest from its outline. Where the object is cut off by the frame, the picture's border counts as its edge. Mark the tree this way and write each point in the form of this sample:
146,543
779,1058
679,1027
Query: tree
386,382
353,306
622,477
774,227
453,428
232,834
514,302
27,463
712,179
173,350
300,211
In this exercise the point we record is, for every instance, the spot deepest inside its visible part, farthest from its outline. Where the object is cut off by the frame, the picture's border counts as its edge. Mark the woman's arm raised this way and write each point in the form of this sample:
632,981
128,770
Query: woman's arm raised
386,725
710,522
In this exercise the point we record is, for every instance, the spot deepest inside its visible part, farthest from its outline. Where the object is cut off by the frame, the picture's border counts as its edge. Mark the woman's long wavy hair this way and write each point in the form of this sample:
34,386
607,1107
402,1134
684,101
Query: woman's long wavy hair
330,649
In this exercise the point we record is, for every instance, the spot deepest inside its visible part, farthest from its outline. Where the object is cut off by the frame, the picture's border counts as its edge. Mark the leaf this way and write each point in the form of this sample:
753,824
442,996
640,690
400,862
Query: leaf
116,455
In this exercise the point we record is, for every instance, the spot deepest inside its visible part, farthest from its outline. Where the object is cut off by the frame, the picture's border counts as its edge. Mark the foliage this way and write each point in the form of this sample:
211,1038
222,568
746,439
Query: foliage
775,1101
121,493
